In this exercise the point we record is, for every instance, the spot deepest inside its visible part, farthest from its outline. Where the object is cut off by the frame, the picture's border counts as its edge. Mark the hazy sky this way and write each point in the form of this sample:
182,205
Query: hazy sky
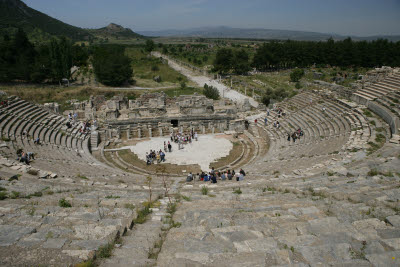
347,17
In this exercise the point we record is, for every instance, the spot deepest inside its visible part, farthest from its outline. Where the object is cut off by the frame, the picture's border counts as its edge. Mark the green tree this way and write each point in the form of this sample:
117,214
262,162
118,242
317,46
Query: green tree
111,66
60,59
241,63
149,46
211,92
80,55
7,60
223,60
296,75
24,56
165,50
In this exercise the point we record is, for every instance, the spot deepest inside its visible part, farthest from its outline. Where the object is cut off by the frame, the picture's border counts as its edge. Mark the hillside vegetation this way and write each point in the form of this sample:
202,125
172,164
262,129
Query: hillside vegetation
40,27
16,14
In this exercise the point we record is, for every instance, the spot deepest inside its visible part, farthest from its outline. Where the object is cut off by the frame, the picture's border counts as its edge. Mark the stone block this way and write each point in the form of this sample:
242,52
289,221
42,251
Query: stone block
55,243
389,233
10,234
88,244
265,244
394,220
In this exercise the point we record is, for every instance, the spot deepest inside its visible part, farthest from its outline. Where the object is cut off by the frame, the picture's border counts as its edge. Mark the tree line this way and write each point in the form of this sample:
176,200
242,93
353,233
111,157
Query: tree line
51,61
21,60
290,54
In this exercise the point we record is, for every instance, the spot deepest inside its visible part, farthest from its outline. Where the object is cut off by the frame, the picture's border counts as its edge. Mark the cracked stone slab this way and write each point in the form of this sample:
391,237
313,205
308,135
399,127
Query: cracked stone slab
394,220
265,244
55,243
9,234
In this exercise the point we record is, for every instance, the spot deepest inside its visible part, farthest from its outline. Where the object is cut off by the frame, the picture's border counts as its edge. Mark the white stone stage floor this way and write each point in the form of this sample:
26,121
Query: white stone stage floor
208,149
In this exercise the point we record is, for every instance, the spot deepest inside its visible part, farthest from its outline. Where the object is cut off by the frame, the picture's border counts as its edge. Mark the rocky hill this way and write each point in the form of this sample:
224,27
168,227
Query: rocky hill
16,14
116,31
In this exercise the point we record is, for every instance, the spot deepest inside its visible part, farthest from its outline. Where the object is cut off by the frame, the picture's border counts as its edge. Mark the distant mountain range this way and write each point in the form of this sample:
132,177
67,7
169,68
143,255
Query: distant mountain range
228,32
16,14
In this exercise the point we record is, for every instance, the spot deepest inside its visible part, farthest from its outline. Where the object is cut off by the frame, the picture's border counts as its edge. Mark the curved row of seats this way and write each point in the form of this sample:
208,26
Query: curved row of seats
381,88
22,122
329,128
386,97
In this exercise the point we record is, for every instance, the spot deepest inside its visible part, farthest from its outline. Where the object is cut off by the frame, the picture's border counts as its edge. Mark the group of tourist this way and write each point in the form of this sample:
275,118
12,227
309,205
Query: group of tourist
73,117
154,156
83,126
179,138
277,124
295,135
183,138
279,111
213,176
25,157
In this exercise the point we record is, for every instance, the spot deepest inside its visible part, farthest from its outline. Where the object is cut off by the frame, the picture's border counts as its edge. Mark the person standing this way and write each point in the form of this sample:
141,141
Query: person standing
169,147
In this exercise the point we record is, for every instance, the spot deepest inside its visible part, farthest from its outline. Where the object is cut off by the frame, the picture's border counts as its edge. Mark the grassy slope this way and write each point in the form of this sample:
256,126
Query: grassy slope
143,74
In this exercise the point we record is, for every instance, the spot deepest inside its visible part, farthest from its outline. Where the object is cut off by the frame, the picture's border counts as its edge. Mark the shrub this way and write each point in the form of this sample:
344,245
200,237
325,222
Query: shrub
183,85
14,177
237,191
171,208
211,92
105,251
277,94
204,190
14,194
367,113
296,75
82,177
380,138
111,196
142,214
88,263
373,172
37,194
64,203
186,198
174,224
3,195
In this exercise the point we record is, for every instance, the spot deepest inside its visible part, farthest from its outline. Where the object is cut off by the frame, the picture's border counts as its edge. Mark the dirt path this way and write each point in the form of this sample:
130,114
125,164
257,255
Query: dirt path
201,80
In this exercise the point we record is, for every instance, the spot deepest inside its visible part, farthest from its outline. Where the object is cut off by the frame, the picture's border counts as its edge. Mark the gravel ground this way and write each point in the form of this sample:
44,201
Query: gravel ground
208,149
